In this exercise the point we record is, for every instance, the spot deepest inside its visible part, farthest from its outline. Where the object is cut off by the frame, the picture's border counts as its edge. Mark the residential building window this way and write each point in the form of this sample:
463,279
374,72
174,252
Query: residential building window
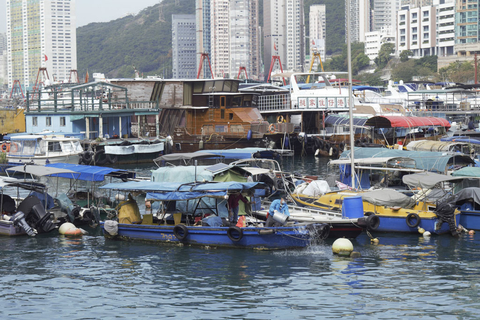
34,121
48,121
62,122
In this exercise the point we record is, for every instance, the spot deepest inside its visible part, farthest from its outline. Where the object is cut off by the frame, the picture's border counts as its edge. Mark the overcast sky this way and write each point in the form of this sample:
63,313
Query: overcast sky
94,10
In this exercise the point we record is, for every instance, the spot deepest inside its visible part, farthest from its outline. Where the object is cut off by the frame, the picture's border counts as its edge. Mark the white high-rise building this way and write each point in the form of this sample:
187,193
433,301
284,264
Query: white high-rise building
317,29
417,30
40,34
385,14
283,34
359,19
228,31
3,59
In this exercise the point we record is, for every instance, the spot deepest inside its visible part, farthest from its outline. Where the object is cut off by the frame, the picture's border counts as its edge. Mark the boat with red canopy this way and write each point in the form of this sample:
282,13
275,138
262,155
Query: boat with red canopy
390,130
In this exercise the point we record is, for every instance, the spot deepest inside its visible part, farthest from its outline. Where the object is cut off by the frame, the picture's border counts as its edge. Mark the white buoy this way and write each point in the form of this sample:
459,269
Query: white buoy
65,227
342,247
426,234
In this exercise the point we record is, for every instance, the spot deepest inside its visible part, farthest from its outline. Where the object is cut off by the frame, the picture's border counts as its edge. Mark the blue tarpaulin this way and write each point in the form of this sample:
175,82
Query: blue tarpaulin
167,191
90,173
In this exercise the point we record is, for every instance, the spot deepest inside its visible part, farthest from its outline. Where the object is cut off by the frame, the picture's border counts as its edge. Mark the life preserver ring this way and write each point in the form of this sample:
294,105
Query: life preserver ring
271,128
280,119
235,234
5,147
373,222
413,217
180,231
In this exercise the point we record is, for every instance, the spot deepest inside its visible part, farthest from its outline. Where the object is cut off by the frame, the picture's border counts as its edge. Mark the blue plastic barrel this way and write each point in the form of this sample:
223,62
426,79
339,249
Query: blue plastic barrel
352,207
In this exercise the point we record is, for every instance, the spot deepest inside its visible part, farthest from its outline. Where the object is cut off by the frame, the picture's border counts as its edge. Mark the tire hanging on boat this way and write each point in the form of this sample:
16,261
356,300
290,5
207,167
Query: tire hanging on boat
112,158
320,144
100,157
87,157
413,220
180,231
373,222
235,234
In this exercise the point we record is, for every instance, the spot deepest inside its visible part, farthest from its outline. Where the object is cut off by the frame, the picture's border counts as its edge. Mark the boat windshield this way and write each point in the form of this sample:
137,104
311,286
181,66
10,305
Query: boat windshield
71,146
24,147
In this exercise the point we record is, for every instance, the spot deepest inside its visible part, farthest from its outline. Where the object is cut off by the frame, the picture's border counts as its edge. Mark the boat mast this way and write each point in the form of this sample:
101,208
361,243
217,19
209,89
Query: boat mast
350,98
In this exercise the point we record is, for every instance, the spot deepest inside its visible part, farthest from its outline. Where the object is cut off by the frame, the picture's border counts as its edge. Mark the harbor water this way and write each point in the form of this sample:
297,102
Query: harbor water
401,277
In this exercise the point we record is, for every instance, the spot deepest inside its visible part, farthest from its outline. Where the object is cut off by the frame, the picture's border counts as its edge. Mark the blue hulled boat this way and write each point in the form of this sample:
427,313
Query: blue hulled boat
194,214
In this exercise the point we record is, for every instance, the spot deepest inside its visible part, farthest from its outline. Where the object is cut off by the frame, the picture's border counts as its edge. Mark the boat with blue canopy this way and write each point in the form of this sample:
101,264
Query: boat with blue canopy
83,202
187,220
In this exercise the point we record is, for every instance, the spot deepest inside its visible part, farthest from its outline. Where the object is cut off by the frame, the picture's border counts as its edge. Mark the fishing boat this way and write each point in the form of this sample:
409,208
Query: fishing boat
467,197
190,220
30,214
83,204
399,211
41,149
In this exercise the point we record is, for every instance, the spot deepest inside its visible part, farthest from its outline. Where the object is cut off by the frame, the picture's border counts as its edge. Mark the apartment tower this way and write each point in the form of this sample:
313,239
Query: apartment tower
40,33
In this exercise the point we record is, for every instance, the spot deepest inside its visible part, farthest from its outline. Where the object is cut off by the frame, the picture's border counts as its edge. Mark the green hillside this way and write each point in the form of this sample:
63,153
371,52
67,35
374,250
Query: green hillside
144,41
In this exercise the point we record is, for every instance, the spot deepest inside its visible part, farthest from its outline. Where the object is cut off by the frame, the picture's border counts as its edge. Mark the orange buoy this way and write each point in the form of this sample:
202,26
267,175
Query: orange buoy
74,232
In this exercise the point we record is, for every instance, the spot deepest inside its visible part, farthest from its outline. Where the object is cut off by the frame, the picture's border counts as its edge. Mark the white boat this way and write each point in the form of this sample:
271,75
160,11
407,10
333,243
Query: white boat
41,149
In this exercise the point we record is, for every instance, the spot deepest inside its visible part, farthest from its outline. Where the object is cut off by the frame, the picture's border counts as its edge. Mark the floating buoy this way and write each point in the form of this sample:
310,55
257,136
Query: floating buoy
342,247
73,233
426,234
471,232
421,230
69,229
374,240
65,227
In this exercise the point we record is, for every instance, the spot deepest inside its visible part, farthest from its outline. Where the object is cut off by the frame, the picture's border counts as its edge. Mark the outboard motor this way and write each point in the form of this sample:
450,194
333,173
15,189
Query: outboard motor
35,214
19,220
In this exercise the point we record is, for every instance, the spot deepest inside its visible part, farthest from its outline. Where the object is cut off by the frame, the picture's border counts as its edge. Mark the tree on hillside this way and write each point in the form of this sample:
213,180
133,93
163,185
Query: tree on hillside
371,79
405,55
384,55
340,63
412,68
458,71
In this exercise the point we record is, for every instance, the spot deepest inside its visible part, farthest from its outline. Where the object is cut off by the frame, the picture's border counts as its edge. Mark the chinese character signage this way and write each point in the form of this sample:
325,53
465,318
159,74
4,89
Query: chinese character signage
312,103
302,103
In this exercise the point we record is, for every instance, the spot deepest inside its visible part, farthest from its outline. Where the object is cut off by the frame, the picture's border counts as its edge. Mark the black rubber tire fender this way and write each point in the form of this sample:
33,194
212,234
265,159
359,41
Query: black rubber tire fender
180,231
410,217
112,158
320,144
235,234
87,157
373,222
100,157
